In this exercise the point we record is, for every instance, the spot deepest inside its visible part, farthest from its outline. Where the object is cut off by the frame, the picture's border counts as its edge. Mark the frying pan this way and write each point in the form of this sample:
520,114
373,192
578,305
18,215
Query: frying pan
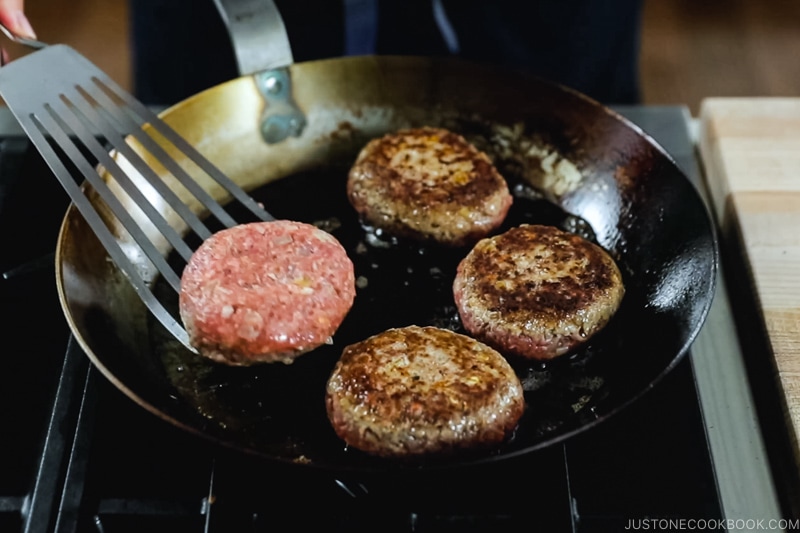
288,133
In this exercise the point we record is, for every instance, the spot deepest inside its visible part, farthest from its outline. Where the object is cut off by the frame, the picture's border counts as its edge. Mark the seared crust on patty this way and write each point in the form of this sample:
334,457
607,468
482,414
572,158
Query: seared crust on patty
536,291
428,184
417,391
265,292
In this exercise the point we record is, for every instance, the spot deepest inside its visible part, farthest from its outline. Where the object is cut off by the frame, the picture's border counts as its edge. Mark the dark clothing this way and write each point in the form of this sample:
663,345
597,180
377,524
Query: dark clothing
589,45
182,47
179,48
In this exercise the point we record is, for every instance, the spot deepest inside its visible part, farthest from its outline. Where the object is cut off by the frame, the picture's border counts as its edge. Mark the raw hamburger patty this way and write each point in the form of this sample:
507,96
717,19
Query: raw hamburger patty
428,184
266,291
417,391
536,291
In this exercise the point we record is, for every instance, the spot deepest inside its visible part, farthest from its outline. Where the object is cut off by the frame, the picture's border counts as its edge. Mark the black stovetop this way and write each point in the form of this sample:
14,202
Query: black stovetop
77,455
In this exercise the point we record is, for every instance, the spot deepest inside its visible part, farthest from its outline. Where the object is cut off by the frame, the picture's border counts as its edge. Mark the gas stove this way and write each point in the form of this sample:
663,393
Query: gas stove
79,456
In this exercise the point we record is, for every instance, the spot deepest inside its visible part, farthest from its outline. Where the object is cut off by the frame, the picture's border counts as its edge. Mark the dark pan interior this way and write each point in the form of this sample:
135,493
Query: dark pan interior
279,410
634,201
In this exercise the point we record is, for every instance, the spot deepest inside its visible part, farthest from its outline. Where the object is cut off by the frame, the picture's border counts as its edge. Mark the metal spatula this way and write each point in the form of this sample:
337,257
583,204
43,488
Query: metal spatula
65,104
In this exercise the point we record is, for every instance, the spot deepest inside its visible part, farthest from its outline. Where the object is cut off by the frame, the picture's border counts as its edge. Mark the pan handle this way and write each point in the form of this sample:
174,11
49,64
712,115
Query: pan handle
262,50
258,34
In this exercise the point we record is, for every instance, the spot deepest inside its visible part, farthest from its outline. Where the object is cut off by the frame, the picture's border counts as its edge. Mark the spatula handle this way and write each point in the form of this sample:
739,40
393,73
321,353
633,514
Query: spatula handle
25,41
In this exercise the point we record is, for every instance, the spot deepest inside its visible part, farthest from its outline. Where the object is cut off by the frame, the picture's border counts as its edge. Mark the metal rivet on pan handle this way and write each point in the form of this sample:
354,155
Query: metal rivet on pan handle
282,118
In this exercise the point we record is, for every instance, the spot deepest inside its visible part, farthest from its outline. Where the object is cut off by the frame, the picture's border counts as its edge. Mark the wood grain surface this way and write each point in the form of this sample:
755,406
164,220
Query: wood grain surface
750,149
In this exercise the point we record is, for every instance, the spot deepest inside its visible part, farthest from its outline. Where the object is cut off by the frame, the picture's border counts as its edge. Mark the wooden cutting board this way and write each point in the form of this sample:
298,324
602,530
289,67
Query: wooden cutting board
750,148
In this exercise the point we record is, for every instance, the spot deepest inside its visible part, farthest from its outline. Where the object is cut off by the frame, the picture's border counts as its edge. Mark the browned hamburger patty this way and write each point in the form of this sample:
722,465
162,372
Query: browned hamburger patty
536,291
418,391
428,184
266,291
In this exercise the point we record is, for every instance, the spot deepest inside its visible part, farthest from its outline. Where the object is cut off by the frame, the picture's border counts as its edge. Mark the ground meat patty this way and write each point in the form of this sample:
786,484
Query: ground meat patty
266,291
428,184
419,391
536,291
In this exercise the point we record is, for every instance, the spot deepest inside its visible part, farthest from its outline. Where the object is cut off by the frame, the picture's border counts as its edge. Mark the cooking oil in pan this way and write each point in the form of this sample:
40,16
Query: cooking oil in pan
279,410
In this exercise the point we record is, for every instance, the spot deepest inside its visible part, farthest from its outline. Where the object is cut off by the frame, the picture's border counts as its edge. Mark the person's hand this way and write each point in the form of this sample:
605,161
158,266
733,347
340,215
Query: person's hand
12,15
